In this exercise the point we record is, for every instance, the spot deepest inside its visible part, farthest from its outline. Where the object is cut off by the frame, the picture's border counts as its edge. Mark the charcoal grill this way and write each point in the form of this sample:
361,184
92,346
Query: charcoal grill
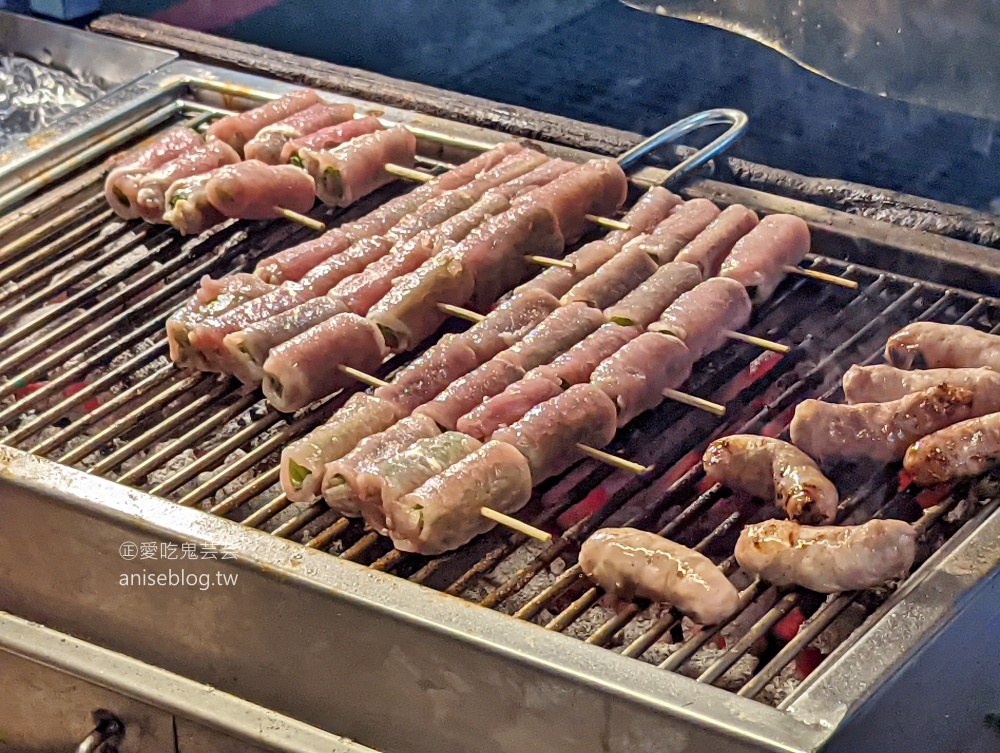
503,644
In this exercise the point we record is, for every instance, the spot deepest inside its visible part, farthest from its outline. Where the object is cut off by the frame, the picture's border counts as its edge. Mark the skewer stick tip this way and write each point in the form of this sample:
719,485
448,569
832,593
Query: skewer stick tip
760,342
371,381
606,457
408,173
545,261
515,524
608,222
460,312
822,277
302,219
695,402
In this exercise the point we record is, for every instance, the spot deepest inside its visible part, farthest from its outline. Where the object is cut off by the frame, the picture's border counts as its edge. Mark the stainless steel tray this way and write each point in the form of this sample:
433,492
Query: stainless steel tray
113,63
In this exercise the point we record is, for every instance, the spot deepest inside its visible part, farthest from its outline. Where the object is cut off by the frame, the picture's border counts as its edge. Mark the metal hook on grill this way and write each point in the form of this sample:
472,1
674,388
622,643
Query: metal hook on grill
736,119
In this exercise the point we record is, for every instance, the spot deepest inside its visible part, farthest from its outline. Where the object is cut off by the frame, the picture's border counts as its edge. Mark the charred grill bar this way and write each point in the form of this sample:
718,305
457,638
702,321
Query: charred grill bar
86,383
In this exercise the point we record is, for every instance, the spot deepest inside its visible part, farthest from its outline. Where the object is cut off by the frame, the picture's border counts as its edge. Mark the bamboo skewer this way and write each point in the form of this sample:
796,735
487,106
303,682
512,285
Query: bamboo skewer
760,342
821,276
516,525
371,381
545,261
469,316
695,402
607,222
302,219
606,457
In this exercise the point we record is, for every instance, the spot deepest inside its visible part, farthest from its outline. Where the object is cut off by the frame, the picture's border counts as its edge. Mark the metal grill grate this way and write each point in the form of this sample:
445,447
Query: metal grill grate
86,382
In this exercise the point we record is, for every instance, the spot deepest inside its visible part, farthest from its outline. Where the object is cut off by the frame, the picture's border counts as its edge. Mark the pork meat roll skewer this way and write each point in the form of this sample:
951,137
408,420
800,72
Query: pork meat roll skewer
409,313
305,368
929,345
549,433
188,209
445,512
227,293
151,198
635,377
341,479
252,190
702,317
509,322
328,138
248,348
649,211
588,258
646,303
270,140
759,258
237,130
465,393
364,289
355,169
630,564
121,187
292,263
559,331
508,407
304,461
617,277
384,483
881,431
882,384
968,448
247,190
577,364
598,186
678,230
423,378
827,559
774,470
708,250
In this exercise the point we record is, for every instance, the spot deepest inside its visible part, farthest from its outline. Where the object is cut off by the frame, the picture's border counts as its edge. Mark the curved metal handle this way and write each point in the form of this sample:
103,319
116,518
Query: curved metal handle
736,119
108,733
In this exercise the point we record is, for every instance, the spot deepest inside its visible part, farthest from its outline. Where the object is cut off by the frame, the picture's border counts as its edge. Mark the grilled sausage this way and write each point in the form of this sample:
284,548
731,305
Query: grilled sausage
930,345
769,468
630,563
879,431
967,448
880,384
827,559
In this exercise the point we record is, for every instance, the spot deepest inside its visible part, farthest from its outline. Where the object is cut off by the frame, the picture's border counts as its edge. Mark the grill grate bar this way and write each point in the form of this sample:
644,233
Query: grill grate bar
60,409
171,392
204,398
93,221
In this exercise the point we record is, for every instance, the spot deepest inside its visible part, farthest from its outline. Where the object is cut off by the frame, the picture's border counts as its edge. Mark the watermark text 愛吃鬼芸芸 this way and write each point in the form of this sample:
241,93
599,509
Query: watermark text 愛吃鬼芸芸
174,576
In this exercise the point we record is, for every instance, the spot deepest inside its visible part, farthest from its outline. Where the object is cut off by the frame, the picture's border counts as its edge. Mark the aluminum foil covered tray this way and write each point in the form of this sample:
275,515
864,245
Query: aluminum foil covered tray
33,95
48,71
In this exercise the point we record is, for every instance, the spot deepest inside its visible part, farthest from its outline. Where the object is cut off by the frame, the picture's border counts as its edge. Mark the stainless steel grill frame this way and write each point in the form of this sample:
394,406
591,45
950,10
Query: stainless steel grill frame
413,644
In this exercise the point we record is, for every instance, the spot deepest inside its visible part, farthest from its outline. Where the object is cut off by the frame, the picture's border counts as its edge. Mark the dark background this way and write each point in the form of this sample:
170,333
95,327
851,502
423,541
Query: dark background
600,61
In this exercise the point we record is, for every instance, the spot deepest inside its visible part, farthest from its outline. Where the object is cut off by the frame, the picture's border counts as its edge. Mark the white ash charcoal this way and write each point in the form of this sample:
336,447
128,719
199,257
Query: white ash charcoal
288,514
656,654
176,464
780,686
590,622
733,679
557,566
504,570
841,628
